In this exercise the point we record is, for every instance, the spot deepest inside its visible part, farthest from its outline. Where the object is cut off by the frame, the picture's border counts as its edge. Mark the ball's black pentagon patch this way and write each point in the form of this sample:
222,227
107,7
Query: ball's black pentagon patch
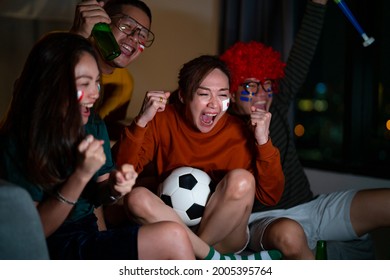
167,199
212,186
187,181
195,211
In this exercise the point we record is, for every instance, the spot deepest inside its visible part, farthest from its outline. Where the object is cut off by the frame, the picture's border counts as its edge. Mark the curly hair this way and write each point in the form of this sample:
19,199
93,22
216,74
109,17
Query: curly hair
252,60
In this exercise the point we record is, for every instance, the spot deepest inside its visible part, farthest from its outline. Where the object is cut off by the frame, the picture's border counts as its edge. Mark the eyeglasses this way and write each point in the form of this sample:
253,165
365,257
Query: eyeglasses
131,27
253,87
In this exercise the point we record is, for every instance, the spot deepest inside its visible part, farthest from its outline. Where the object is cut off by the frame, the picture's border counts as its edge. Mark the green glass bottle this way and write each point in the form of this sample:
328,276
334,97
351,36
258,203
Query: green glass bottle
105,40
321,252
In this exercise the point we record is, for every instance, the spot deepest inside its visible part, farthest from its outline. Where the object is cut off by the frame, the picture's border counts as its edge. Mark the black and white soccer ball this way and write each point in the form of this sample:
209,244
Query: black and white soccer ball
186,190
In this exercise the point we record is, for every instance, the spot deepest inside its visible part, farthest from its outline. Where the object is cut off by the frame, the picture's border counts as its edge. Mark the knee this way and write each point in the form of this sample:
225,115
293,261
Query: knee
240,183
139,201
174,236
288,236
173,231
164,240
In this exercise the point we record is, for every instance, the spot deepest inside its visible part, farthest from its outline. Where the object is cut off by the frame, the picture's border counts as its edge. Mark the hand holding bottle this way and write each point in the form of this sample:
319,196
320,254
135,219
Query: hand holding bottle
91,19
87,15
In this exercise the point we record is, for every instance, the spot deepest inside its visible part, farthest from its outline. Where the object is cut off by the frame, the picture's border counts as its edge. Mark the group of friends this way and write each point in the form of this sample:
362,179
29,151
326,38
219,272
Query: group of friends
228,117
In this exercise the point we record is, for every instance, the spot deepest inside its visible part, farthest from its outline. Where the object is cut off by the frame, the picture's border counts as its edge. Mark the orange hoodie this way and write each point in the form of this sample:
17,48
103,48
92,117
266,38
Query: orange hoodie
171,142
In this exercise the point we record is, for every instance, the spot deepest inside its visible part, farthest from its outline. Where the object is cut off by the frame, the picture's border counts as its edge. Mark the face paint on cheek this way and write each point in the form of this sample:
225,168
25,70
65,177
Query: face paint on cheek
225,104
246,96
141,47
246,99
80,95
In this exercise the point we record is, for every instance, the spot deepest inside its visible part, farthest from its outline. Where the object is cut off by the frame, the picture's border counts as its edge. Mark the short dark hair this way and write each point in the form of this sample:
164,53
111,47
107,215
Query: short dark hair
193,72
113,7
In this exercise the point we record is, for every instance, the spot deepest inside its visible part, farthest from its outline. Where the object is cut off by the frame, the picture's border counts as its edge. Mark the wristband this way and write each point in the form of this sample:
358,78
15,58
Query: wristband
62,199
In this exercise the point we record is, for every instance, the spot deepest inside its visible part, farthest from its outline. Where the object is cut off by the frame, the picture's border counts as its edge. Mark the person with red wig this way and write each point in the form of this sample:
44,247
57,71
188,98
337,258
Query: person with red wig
256,70
261,82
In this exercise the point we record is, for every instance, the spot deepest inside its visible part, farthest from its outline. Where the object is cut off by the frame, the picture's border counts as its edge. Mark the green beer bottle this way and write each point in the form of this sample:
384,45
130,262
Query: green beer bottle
105,40
321,253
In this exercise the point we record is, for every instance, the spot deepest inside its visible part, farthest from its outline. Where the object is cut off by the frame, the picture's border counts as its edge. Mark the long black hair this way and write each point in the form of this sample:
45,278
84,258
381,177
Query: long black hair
44,116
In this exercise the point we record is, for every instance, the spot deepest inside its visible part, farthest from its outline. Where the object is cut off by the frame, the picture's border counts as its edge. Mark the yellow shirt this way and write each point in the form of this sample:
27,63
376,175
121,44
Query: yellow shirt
117,90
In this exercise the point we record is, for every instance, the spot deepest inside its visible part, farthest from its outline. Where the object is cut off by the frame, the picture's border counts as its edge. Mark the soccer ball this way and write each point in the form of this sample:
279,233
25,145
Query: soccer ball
186,190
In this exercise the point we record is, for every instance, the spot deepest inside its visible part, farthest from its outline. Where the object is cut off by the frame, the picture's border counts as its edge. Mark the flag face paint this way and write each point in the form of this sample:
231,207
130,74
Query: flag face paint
246,99
246,96
80,95
225,104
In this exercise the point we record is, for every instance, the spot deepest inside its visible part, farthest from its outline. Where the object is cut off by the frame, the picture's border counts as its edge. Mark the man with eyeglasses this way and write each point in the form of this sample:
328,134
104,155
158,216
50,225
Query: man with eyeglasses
261,82
130,22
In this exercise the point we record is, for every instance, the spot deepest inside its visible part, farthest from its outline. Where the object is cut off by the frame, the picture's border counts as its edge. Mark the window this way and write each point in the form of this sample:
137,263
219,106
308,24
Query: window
342,114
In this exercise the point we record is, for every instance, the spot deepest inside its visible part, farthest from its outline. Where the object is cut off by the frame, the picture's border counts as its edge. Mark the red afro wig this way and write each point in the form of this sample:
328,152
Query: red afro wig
252,60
